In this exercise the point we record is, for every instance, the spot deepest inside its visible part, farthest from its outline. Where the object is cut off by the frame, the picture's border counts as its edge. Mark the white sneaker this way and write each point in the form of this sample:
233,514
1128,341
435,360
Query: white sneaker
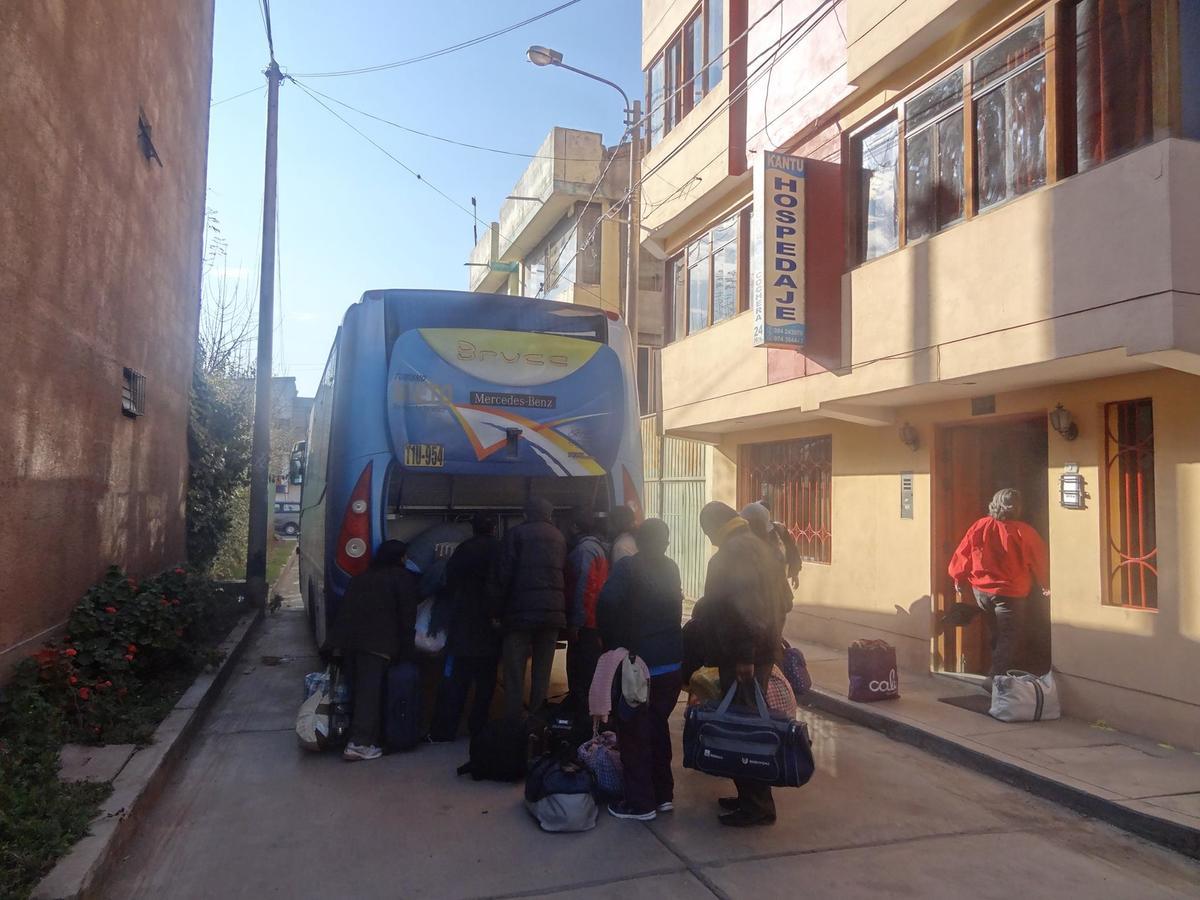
356,752
666,807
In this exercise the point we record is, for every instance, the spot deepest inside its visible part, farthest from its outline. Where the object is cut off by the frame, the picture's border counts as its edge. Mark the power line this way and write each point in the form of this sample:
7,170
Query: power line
436,137
266,17
453,48
252,90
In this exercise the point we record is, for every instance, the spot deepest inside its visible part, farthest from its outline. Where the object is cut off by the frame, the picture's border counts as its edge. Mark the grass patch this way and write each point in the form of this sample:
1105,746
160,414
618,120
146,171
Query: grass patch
130,652
278,553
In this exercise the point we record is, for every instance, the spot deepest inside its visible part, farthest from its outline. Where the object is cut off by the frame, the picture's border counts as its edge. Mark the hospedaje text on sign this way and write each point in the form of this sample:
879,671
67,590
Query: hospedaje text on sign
777,251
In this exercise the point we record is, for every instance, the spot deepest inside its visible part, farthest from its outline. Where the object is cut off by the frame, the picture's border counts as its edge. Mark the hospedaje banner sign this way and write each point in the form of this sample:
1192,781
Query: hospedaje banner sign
777,251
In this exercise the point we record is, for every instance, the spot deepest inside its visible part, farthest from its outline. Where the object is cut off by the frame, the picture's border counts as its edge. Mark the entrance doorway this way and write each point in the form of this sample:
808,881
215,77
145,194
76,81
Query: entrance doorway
972,463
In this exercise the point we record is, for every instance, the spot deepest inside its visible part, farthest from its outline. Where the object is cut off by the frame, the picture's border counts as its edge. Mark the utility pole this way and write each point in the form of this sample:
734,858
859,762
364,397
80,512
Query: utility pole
260,454
634,247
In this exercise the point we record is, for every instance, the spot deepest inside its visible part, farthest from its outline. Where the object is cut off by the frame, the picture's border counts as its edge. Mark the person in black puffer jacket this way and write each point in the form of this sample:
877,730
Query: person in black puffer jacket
531,603
641,609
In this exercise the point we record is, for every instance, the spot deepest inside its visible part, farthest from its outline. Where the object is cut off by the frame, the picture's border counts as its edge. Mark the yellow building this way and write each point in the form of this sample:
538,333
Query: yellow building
997,213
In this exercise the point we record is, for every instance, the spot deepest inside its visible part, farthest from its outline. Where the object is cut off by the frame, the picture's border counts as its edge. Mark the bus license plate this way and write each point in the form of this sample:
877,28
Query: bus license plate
424,456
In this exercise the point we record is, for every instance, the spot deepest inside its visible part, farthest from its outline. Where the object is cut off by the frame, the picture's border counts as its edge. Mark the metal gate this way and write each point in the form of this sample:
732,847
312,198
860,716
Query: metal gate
675,492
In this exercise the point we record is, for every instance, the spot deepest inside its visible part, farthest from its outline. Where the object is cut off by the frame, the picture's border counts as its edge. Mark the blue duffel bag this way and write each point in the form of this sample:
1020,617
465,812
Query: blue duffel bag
736,742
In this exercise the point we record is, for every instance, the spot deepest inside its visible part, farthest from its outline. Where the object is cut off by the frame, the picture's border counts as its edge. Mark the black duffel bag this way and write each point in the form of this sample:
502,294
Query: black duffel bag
736,742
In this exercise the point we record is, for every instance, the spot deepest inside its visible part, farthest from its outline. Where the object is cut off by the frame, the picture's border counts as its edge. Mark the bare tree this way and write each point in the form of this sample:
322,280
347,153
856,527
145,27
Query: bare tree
227,314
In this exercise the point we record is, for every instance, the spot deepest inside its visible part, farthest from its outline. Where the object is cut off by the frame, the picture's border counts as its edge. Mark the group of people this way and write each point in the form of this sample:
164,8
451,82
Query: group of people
511,600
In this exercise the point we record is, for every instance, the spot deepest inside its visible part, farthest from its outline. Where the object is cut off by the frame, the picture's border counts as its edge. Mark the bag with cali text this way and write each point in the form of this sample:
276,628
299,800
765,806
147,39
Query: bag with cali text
873,672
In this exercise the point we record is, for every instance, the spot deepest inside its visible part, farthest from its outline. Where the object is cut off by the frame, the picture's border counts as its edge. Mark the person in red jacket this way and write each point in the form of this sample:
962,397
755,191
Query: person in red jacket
1001,557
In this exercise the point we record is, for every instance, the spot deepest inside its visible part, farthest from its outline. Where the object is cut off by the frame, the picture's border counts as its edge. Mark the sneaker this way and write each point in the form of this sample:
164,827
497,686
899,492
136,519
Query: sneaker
356,752
621,810
729,803
665,807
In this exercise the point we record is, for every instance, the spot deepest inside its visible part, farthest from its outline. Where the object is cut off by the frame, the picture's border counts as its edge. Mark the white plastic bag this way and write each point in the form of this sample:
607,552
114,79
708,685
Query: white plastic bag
312,722
635,681
424,641
1022,697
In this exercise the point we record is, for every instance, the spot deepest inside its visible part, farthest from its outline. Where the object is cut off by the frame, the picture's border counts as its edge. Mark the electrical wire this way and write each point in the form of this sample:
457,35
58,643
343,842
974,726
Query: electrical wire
266,15
252,90
453,48
435,137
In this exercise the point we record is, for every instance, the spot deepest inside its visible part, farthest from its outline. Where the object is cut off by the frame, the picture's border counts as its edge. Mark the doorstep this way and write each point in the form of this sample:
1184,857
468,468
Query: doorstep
1135,783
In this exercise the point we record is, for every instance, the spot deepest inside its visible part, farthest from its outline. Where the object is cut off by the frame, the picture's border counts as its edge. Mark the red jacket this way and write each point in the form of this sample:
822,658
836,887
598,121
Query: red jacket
1002,558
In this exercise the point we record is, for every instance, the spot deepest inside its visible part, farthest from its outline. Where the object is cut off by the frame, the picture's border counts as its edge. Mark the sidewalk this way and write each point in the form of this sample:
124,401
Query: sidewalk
1133,782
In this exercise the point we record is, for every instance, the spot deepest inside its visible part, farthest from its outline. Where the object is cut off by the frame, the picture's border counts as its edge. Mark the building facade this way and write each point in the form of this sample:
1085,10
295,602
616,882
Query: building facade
980,217
103,137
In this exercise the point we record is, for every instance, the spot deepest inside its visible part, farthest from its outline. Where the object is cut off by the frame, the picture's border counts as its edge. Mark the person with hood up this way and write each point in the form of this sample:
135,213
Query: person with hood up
641,610
374,628
784,543
530,603
746,599
587,571
473,643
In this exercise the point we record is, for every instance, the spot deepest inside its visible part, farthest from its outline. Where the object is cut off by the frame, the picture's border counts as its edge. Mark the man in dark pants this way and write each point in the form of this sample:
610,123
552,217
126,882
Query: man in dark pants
746,599
531,604
473,642
1002,558
587,571
374,627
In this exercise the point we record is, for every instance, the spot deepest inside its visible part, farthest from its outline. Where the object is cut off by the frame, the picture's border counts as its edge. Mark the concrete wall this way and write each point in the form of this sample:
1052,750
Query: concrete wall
100,269
882,37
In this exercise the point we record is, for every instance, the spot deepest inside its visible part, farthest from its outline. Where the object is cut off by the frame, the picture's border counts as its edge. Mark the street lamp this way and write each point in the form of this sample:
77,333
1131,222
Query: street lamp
544,56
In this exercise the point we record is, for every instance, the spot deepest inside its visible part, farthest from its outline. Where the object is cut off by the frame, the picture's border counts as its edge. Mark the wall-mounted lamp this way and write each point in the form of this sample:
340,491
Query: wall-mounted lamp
1063,422
910,437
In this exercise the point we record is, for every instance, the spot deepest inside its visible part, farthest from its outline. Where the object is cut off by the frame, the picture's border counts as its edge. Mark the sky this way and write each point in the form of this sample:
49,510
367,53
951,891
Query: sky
349,218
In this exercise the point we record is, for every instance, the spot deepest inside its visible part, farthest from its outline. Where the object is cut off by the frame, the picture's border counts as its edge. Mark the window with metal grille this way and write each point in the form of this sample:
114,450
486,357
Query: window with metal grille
133,393
1129,471
796,479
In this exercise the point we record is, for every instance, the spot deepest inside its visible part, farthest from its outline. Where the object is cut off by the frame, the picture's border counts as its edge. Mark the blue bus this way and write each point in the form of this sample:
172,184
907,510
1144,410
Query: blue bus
435,405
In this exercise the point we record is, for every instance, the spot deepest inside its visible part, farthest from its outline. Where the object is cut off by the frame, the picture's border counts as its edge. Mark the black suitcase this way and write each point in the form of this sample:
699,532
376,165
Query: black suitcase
402,707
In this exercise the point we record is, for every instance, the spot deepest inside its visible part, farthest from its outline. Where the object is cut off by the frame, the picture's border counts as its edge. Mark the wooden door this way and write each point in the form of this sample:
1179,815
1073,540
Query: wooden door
975,461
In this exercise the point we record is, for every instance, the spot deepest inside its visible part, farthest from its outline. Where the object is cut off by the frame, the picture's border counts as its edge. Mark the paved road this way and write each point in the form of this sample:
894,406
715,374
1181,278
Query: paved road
251,815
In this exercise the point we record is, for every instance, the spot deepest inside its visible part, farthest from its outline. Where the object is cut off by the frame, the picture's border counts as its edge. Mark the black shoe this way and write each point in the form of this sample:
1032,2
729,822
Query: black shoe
740,819
729,803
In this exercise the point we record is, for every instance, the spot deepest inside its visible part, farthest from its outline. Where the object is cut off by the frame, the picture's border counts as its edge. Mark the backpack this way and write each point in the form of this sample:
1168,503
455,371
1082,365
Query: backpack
500,750
558,793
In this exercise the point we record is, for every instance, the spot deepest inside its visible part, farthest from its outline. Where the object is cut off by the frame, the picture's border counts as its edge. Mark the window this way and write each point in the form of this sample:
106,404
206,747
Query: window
796,480
876,153
933,155
647,380
1113,95
689,66
1009,93
706,279
1129,470
133,393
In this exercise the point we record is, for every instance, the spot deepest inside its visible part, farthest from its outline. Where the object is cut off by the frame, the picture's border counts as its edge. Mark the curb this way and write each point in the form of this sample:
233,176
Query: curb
83,870
1172,835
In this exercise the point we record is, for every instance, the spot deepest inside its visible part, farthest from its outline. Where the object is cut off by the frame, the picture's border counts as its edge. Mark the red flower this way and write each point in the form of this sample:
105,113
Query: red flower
73,680
175,602
84,693
165,601
132,648
179,571
129,657
70,651
111,610
107,683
